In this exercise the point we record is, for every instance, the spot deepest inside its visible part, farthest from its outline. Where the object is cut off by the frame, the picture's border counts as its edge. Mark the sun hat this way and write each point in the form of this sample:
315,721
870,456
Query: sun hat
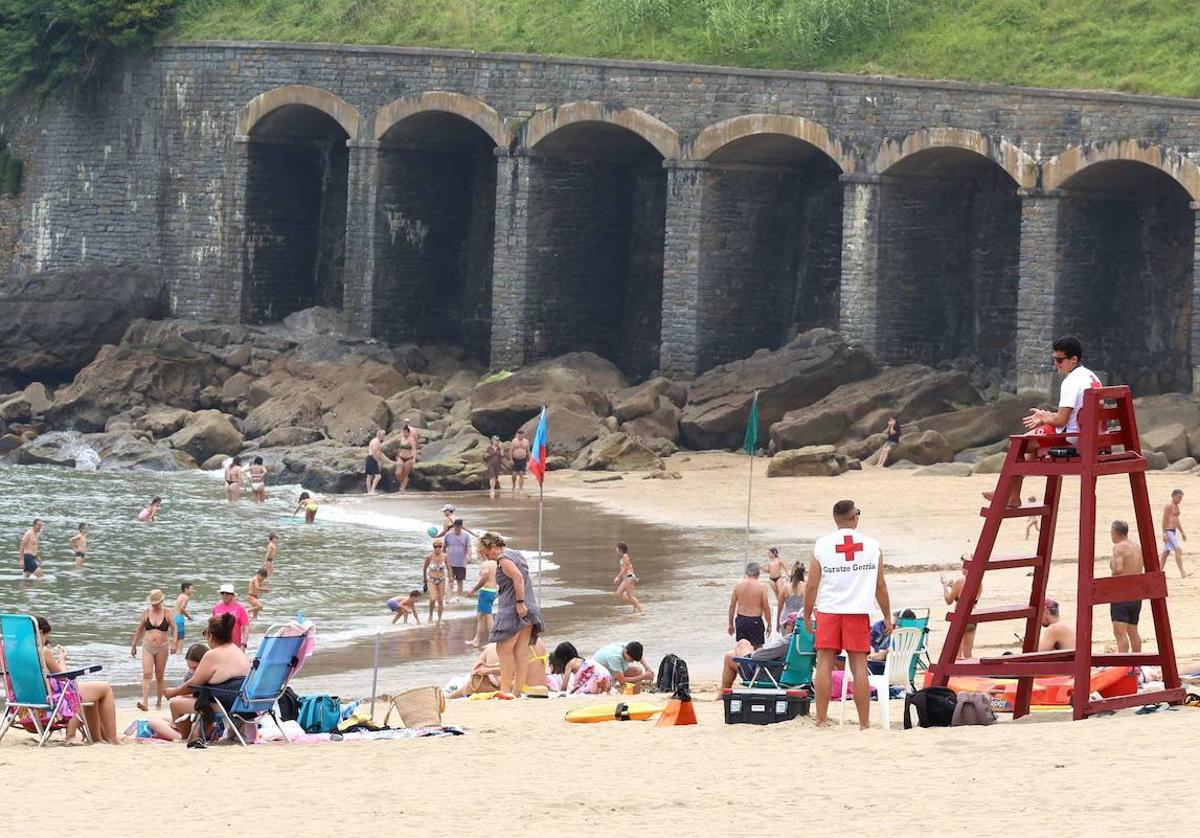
155,597
448,507
227,589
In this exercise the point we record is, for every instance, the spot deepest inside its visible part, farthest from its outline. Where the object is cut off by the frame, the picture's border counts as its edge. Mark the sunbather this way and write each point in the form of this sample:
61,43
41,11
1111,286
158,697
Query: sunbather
223,668
102,715
178,726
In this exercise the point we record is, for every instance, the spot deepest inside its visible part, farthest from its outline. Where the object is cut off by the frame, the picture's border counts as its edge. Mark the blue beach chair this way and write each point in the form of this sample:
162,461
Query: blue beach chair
30,704
793,670
275,662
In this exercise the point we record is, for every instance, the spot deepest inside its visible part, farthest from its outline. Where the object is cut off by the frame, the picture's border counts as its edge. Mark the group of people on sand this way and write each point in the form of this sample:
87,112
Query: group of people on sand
408,451
618,666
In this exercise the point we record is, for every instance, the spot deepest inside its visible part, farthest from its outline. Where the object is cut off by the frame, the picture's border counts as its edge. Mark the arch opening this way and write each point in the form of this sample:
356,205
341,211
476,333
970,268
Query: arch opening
596,216
295,235
1126,233
771,250
948,260
434,232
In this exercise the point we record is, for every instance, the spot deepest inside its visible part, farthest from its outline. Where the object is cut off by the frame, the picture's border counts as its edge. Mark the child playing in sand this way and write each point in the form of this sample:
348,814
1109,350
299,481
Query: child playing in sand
308,505
78,543
269,558
147,515
402,606
181,611
254,591
169,729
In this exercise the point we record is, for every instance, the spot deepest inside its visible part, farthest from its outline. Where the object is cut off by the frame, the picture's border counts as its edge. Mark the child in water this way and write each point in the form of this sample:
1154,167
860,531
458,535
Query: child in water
78,543
308,505
403,606
147,515
269,558
254,592
186,591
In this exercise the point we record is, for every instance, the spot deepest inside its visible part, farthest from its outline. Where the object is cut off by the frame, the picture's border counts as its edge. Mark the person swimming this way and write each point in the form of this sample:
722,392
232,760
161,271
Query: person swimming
309,506
147,515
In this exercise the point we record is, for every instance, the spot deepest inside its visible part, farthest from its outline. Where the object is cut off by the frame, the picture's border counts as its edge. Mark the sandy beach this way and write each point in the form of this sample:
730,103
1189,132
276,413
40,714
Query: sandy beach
521,762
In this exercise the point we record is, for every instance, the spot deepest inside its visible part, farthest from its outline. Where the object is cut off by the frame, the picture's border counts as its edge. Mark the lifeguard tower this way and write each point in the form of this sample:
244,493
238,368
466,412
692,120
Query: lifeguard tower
1108,444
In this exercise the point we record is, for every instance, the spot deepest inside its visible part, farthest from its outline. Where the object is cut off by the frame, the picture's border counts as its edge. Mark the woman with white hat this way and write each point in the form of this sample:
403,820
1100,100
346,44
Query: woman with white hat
156,633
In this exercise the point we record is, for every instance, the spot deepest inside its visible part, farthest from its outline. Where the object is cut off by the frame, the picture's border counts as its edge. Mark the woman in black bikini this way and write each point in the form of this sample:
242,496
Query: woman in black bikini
156,633
406,454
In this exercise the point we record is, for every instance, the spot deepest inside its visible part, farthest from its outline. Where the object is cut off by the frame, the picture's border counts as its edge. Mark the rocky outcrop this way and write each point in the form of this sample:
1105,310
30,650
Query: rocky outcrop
661,423
125,451
288,410
502,405
799,374
54,323
570,427
317,320
25,406
638,401
1171,440
617,452
207,432
353,413
861,408
160,422
809,461
289,437
452,464
923,448
325,466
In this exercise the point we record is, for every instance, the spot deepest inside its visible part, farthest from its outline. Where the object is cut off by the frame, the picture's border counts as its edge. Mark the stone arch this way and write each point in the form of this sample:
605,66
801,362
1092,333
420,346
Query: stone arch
721,134
1019,165
345,114
657,133
469,108
1061,168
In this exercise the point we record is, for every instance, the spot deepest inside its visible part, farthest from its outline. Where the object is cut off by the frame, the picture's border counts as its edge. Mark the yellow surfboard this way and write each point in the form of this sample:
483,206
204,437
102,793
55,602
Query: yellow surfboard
614,713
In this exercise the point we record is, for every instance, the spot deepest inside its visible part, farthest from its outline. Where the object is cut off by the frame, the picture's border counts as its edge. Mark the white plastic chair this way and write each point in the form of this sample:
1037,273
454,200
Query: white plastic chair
904,644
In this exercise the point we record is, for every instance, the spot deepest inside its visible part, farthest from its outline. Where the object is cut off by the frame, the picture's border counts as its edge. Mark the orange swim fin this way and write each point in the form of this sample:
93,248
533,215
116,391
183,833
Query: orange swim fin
678,712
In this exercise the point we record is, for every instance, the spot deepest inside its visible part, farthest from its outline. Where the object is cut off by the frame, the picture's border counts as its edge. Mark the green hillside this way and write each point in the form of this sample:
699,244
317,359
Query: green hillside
1144,46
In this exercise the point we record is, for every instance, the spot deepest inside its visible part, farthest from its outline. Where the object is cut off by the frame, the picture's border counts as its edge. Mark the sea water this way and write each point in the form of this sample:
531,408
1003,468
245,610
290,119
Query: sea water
340,571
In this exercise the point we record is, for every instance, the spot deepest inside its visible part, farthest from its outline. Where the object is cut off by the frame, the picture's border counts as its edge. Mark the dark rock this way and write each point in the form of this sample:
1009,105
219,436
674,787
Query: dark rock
501,406
661,423
290,410
325,466
1155,460
799,374
125,451
316,321
25,406
946,470
1171,440
160,422
52,324
289,437
617,452
984,424
570,427
923,448
644,398
353,413
1186,464
860,408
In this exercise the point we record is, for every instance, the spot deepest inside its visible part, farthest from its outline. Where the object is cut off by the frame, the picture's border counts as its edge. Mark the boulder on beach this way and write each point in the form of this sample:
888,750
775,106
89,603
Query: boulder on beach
809,461
617,452
801,373
501,406
570,426
207,432
52,324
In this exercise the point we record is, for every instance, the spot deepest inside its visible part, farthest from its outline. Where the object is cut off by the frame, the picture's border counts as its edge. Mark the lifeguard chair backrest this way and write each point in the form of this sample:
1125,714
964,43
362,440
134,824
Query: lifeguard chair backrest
1107,420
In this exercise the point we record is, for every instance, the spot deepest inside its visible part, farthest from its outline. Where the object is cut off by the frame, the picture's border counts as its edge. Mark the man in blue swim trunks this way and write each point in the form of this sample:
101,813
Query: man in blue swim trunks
31,550
485,593
186,590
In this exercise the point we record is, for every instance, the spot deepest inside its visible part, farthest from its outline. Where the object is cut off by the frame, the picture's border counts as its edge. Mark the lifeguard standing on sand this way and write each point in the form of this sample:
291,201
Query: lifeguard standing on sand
845,581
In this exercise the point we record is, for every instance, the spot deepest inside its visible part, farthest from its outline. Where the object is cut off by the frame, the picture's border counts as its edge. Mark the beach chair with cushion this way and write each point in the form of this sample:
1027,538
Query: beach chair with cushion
278,657
896,672
31,705
793,670
921,660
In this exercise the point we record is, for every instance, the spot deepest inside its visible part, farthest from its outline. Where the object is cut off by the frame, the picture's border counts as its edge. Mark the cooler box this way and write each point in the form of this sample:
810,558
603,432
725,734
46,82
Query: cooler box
752,706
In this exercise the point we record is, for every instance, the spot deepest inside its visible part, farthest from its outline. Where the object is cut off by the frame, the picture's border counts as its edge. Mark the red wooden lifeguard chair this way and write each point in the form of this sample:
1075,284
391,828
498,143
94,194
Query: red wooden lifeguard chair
1108,444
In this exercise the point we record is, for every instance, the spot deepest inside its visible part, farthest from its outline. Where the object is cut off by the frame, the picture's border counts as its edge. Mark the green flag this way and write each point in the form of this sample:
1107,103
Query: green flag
751,441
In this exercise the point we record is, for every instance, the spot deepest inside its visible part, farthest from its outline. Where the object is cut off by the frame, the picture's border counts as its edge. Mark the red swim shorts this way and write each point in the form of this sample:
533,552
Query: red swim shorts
851,632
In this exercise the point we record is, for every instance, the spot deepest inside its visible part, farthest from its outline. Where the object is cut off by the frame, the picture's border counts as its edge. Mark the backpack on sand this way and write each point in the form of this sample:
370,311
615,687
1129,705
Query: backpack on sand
673,678
973,709
935,707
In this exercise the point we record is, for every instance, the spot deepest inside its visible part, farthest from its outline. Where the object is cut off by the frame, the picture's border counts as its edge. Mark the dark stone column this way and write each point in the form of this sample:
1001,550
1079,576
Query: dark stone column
1037,288
229,295
358,301
1195,325
859,295
681,324
511,328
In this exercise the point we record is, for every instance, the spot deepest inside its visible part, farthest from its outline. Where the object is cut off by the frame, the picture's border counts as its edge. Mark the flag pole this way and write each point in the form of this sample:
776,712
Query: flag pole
541,497
750,443
749,490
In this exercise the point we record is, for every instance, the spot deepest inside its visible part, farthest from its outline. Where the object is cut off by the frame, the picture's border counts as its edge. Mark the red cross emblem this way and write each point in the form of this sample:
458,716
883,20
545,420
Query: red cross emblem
848,547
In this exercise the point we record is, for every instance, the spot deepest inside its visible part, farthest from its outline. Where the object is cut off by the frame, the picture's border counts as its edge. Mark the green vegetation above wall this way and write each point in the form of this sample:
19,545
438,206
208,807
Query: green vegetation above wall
1145,46
46,44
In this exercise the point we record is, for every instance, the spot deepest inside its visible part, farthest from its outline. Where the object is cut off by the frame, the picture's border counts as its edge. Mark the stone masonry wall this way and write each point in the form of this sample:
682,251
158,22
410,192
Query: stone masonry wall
144,165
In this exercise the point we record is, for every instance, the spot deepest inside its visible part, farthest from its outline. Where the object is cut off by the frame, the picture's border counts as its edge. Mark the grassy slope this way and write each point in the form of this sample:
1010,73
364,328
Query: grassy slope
1145,46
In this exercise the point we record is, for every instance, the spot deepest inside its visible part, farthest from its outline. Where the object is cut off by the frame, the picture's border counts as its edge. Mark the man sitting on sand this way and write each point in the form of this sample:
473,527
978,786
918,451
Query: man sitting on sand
845,580
750,608
1057,636
625,662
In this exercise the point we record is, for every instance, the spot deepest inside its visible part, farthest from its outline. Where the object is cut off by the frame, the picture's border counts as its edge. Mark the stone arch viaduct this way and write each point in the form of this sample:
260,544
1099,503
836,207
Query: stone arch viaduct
665,216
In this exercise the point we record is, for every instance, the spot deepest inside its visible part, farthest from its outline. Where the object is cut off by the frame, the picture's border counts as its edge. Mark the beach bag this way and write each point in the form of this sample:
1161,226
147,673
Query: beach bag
419,707
319,713
673,678
973,709
289,705
934,705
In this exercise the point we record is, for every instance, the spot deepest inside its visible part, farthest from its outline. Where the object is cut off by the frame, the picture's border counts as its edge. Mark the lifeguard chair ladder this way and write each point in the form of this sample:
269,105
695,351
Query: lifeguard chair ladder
1108,444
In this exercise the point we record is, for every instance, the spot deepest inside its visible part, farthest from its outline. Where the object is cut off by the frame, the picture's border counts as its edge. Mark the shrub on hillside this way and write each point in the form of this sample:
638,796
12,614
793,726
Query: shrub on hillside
46,44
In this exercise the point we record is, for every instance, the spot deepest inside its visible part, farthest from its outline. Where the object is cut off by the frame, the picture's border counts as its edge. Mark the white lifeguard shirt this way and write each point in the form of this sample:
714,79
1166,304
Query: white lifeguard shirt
1070,394
849,572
